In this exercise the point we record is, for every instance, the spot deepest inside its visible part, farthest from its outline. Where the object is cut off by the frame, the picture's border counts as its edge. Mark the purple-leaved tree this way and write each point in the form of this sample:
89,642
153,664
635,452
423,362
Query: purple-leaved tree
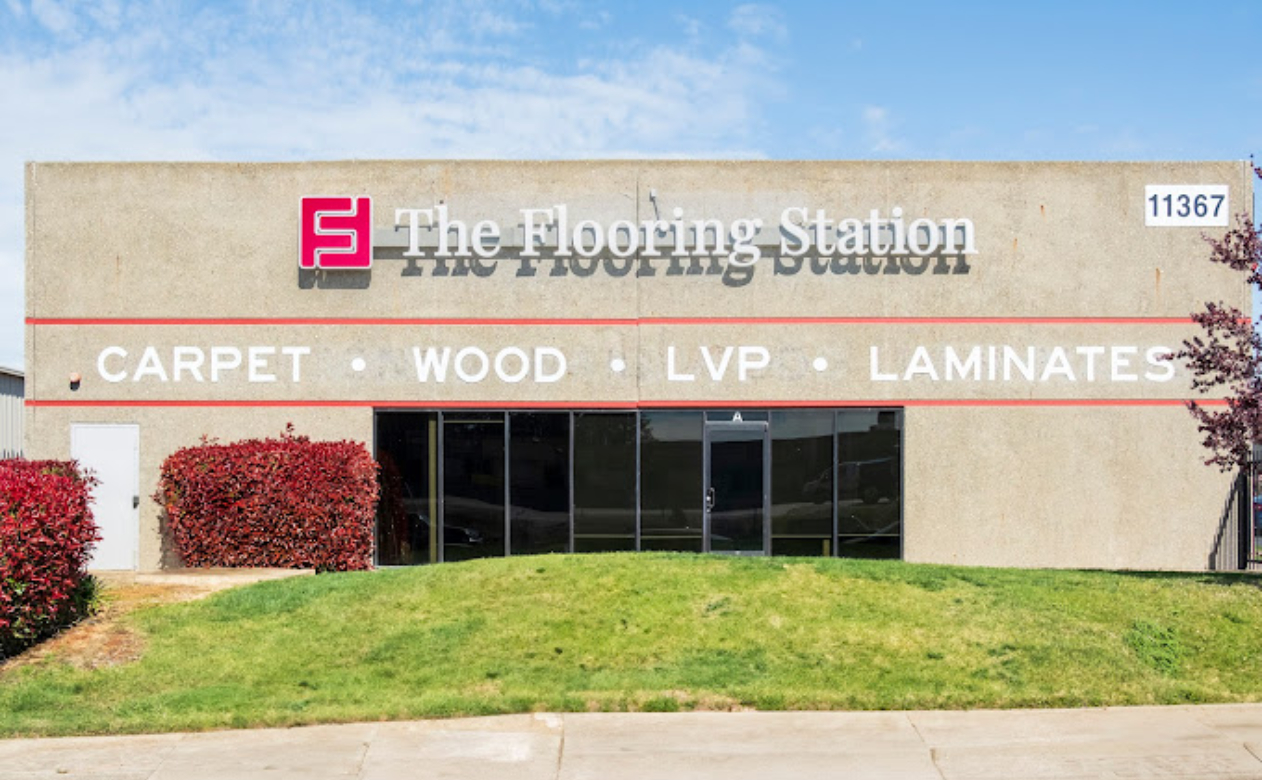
1227,357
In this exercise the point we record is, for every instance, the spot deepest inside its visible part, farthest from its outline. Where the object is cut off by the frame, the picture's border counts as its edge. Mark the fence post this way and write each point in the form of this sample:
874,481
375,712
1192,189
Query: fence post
1244,526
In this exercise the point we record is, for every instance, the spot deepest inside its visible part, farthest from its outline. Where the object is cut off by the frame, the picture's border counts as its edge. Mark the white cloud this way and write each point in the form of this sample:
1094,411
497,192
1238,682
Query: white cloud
596,21
489,22
557,7
753,20
317,81
106,13
691,26
53,16
876,120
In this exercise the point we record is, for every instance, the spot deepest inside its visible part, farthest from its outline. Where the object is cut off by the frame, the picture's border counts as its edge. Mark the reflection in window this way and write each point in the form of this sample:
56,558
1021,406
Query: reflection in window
407,446
604,482
473,486
802,482
670,480
869,483
539,482
738,515
590,496
731,415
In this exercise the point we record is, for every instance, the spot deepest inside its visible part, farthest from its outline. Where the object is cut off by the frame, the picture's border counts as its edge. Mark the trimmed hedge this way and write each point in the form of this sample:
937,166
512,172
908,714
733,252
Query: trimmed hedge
46,539
287,502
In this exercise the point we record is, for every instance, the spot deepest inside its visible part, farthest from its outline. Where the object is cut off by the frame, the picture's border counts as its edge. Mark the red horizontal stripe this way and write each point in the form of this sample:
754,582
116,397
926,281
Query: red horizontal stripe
931,402
319,321
727,404
210,403
608,321
915,320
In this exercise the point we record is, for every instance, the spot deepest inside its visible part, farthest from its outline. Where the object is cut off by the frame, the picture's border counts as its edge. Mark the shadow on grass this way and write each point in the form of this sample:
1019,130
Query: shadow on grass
933,577
1251,579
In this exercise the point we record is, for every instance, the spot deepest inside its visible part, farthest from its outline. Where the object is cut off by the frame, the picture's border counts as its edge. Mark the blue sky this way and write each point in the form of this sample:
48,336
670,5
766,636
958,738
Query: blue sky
544,79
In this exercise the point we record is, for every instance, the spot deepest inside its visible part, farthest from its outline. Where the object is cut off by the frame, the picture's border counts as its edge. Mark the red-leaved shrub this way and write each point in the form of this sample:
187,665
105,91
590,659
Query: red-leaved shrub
46,538
287,502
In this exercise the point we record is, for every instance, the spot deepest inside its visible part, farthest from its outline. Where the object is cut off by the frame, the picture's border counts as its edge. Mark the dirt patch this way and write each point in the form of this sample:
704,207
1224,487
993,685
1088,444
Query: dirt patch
684,701
104,639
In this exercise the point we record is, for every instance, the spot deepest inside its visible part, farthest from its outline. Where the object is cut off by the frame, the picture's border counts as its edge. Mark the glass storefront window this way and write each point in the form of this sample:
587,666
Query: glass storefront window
407,447
473,486
671,480
539,482
835,482
802,482
604,481
869,483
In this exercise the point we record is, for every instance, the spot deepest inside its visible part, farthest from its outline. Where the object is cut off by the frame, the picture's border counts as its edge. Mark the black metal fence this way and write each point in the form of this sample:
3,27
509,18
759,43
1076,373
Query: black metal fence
1235,541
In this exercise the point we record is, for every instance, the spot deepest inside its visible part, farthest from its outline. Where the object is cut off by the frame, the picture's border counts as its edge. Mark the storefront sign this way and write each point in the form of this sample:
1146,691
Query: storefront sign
719,364
337,232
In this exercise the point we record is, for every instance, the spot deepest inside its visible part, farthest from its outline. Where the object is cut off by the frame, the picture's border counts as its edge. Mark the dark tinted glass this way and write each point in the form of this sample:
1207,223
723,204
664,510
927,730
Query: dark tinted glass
604,482
802,482
869,483
473,486
539,482
407,446
671,480
866,479
737,516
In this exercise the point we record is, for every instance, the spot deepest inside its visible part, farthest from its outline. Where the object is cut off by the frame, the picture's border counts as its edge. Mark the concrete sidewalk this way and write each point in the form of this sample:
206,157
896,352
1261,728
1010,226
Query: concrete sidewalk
1208,742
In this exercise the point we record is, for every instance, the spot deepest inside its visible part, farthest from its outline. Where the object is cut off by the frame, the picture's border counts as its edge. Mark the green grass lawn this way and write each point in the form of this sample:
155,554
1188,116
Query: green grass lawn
658,632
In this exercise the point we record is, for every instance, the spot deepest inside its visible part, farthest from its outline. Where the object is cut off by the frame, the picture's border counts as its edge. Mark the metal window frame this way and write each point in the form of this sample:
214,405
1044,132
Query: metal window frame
836,437
708,426
900,414
569,547
639,485
635,415
438,524
901,418
376,520
508,481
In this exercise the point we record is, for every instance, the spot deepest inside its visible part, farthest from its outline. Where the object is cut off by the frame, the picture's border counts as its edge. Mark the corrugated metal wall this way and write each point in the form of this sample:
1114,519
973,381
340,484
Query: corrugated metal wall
11,397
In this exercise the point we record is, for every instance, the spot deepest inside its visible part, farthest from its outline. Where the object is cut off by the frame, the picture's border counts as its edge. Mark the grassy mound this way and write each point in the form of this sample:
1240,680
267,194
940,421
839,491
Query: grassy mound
658,632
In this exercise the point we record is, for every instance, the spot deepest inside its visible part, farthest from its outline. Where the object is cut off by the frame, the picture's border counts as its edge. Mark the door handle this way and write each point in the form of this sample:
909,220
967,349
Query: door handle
709,499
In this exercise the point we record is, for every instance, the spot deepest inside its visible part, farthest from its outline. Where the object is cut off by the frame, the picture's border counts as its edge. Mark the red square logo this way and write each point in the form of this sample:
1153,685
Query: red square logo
336,233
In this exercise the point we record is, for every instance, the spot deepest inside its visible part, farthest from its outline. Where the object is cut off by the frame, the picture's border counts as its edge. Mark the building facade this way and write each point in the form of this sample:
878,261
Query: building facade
942,362
12,412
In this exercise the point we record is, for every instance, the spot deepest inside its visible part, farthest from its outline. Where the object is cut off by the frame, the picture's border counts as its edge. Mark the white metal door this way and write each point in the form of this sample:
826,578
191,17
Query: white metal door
112,453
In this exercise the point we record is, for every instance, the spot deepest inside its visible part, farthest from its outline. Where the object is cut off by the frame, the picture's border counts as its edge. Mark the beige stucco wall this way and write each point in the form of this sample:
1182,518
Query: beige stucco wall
1119,485
1104,487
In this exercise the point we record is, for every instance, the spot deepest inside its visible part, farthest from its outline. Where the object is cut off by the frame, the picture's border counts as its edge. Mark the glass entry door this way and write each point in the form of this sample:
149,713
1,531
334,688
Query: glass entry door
737,477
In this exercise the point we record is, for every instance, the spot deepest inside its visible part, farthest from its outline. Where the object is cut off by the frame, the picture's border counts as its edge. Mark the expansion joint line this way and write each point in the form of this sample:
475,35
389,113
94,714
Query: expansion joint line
933,752
560,747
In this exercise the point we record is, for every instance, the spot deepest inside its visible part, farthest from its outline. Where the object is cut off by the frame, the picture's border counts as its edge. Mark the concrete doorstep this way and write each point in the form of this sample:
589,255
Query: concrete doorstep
1204,742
